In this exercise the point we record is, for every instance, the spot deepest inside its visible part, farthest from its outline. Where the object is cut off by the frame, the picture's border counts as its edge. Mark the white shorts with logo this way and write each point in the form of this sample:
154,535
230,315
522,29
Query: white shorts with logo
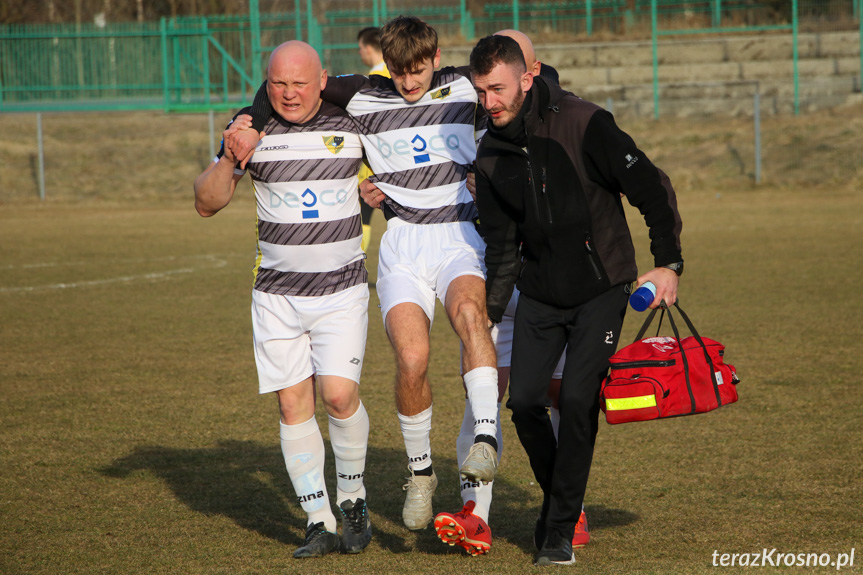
418,262
501,335
299,336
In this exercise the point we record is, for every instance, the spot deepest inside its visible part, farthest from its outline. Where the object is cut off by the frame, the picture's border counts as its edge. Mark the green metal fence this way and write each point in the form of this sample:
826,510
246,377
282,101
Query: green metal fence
216,62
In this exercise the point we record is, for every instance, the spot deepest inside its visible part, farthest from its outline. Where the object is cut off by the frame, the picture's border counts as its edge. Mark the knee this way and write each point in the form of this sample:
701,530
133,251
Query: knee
470,313
524,408
296,404
412,364
341,401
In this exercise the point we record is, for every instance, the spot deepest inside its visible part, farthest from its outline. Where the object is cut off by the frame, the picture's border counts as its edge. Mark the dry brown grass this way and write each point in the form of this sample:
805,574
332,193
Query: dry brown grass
151,156
132,439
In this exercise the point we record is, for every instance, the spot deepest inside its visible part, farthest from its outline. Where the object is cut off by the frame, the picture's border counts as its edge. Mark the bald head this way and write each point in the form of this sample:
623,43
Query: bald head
295,52
295,80
526,48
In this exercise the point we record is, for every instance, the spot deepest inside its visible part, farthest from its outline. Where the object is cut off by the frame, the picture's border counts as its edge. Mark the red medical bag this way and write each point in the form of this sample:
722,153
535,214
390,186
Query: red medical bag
662,377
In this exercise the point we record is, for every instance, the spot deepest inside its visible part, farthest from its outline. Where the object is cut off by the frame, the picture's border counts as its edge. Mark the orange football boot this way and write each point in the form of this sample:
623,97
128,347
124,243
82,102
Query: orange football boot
581,537
464,529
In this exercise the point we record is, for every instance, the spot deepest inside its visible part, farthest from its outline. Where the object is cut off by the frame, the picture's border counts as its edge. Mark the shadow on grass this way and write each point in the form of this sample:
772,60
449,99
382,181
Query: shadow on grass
247,482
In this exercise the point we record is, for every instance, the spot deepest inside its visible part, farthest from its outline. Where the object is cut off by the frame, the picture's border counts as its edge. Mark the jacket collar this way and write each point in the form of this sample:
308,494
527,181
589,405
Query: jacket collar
546,96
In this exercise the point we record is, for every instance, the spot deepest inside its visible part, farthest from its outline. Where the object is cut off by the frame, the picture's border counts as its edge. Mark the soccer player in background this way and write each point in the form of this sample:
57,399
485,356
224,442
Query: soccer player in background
369,43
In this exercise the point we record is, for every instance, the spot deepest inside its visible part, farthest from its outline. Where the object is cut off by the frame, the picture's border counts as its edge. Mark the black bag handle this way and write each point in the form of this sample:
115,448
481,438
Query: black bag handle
682,356
694,333
648,321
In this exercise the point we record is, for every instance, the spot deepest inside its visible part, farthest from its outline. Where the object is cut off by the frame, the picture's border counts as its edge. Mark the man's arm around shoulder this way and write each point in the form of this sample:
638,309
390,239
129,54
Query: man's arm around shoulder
215,187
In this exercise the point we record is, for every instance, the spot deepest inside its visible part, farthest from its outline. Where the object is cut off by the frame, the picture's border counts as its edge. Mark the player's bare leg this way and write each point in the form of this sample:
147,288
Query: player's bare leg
408,331
465,307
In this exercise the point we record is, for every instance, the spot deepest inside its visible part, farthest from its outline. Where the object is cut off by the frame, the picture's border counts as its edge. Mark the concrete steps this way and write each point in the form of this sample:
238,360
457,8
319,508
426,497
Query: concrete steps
726,98
718,74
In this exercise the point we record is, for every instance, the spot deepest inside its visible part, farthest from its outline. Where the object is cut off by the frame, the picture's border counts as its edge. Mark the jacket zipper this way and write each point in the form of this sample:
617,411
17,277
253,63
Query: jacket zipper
545,196
532,188
591,256
644,363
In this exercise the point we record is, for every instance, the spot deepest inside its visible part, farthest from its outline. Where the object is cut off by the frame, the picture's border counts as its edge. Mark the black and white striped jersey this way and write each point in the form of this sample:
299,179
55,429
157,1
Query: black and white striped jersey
309,226
420,152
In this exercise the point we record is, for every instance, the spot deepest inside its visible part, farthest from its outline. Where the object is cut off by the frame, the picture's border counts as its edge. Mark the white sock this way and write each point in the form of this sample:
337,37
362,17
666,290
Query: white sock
303,448
416,431
475,491
350,438
481,385
554,415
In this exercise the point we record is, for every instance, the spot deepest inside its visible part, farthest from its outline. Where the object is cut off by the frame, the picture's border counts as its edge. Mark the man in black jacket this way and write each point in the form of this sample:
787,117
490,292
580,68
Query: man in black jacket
551,171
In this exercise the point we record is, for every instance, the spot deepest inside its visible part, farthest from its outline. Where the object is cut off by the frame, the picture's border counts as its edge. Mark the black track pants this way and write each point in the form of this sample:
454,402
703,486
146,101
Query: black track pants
541,332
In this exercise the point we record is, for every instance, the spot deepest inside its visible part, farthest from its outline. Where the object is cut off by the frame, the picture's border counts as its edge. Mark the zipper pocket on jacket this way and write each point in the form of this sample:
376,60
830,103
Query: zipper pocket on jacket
531,186
545,196
644,363
591,256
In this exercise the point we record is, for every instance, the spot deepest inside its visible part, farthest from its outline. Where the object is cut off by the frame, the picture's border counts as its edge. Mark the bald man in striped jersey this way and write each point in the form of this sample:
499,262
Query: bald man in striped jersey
310,297
418,132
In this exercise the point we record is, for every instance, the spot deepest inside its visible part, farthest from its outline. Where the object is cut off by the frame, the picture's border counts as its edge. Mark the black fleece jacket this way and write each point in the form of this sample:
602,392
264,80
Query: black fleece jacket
551,213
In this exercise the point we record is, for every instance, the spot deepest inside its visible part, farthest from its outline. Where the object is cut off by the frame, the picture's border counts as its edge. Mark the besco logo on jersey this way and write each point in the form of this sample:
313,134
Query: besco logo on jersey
418,147
308,199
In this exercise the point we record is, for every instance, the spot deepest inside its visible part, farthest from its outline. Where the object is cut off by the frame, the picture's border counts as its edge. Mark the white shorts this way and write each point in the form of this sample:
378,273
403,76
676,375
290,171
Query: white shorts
417,262
300,336
501,335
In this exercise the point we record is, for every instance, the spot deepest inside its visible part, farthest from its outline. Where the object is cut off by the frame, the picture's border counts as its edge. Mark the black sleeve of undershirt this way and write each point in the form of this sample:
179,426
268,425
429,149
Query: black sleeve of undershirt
341,89
261,108
613,160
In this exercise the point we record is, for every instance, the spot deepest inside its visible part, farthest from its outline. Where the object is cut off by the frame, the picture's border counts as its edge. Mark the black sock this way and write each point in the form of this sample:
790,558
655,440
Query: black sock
486,439
427,471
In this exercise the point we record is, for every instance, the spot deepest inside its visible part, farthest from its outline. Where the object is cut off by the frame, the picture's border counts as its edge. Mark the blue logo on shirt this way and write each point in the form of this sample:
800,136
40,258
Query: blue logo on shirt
308,214
419,146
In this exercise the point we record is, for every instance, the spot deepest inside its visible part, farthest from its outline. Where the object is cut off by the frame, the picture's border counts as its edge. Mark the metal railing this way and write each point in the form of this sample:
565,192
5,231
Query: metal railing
216,62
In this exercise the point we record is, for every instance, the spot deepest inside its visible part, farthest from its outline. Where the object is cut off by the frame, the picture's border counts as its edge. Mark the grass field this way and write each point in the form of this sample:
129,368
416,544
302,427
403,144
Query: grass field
133,439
